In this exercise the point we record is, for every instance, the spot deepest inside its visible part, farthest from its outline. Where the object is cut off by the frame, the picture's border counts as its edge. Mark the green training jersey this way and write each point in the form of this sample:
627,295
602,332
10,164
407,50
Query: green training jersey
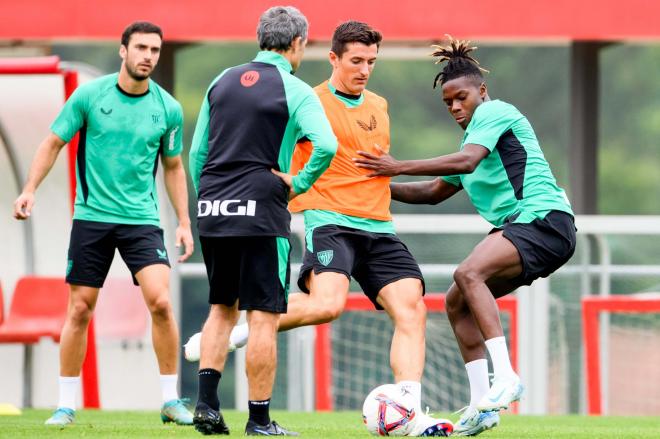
121,137
514,182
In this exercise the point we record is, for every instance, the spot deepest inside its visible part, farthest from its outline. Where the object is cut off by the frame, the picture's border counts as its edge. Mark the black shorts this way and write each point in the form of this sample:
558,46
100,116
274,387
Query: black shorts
254,270
92,248
544,244
373,259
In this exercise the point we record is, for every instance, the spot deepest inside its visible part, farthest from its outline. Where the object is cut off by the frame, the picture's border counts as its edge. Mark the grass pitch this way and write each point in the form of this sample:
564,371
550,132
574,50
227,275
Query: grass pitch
137,424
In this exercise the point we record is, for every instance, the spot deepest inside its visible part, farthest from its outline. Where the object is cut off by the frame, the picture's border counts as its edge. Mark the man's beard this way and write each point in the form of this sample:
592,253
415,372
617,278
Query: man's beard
135,75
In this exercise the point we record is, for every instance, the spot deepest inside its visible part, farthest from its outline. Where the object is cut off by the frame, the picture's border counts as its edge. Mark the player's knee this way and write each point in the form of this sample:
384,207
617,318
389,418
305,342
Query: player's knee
419,309
80,313
410,315
328,307
222,312
329,314
465,276
262,321
160,308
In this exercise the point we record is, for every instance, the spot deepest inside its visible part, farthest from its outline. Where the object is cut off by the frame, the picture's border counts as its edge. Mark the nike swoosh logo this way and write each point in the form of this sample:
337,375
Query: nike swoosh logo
262,432
106,112
497,397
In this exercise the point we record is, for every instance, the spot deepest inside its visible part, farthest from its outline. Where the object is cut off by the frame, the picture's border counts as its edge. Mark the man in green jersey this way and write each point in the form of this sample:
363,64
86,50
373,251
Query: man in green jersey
504,172
126,122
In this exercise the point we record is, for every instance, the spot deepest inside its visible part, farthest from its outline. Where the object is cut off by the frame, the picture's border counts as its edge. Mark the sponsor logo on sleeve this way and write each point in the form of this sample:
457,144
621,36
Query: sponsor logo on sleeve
170,144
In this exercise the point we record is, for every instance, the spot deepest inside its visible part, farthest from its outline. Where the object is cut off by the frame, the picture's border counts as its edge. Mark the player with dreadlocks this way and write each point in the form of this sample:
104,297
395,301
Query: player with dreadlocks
502,168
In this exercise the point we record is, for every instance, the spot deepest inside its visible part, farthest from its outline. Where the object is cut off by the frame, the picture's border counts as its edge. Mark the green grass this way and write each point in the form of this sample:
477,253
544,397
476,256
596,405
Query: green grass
136,424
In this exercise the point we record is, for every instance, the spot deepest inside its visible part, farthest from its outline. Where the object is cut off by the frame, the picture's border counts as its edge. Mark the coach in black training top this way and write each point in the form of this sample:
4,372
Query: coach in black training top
249,123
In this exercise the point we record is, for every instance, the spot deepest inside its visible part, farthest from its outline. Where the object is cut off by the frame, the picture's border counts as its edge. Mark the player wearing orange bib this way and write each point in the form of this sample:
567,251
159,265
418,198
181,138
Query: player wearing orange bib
359,124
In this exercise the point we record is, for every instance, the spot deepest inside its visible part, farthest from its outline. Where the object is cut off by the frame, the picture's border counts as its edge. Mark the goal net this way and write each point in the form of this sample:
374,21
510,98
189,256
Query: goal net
621,337
353,355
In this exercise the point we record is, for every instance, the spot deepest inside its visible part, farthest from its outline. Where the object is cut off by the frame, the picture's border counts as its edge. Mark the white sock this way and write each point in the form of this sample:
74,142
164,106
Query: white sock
239,335
168,387
415,389
499,355
477,372
68,392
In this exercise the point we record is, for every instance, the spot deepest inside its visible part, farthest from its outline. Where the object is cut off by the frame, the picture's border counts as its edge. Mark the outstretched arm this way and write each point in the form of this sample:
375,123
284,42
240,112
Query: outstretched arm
462,162
43,161
175,182
423,192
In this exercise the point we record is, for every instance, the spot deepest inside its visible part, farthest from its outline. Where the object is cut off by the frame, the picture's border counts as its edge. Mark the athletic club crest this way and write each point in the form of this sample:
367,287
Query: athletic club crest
325,257
249,78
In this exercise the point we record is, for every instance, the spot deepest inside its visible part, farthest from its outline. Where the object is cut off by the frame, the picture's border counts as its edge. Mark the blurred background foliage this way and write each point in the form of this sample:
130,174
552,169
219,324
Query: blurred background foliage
533,78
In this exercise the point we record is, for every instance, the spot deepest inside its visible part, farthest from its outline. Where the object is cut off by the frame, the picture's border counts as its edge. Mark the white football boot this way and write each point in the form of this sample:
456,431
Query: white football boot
425,426
502,393
473,422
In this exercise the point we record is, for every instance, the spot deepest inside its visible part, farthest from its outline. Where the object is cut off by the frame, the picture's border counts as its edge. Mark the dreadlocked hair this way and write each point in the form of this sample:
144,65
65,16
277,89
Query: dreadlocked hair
459,61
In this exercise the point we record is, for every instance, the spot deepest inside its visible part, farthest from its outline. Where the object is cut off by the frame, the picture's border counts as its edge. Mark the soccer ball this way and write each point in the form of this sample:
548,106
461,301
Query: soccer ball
388,411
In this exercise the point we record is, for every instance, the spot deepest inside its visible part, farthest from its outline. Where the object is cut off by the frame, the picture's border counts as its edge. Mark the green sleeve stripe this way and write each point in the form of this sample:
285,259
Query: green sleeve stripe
199,150
200,144
313,124
283,256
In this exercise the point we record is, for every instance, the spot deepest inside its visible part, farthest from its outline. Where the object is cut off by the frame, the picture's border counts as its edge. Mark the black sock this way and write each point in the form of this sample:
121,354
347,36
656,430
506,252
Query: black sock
208,387
259,411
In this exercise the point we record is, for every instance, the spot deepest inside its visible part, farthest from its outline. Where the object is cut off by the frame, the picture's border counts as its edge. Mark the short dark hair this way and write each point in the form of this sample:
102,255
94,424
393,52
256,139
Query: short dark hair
460,62
354,32
140,27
